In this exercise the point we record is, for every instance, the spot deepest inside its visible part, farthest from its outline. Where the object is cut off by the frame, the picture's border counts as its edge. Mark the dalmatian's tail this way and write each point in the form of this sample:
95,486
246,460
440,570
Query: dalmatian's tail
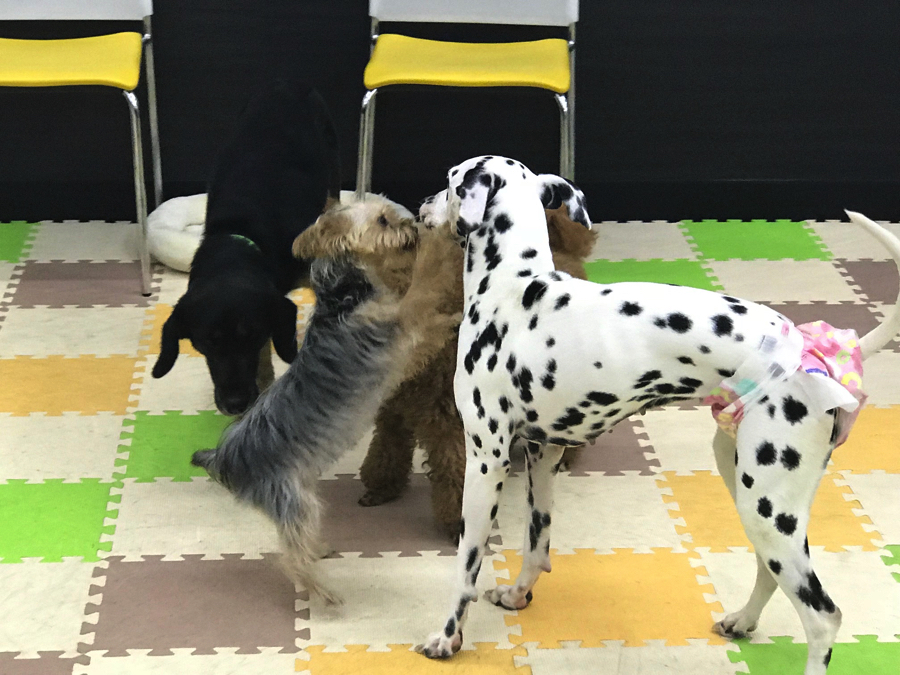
877,338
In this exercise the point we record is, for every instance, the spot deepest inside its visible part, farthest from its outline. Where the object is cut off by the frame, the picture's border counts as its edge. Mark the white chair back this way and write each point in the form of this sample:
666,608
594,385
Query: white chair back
518,12
75,10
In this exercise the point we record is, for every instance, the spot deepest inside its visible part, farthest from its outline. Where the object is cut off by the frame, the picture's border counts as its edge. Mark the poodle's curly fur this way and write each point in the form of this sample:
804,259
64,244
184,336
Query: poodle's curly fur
421,411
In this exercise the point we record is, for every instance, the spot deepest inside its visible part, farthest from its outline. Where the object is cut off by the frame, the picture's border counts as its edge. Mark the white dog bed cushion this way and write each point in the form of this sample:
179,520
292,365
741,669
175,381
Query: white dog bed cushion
176,227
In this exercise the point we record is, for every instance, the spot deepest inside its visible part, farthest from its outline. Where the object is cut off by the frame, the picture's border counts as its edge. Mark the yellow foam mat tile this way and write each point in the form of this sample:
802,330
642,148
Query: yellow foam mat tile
872,445
628,596
55,385
484,659
712,521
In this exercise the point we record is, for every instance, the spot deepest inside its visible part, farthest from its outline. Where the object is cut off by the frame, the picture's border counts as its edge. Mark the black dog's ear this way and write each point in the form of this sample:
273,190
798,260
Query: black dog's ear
284,329
475,195
173,330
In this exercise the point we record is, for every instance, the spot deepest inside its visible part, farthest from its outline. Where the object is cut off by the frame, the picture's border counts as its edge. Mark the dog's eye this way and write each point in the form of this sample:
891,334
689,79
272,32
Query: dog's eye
382,220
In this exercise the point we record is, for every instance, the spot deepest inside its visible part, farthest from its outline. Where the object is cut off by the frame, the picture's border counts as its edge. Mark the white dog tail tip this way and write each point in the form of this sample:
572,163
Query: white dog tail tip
878,337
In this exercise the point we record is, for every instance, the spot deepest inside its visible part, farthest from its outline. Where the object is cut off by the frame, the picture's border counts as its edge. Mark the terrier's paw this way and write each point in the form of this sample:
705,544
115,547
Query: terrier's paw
509,597
439,646
734,627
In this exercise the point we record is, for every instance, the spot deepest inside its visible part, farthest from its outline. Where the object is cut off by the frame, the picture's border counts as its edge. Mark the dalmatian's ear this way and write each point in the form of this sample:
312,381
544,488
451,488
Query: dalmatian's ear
556,191
475,194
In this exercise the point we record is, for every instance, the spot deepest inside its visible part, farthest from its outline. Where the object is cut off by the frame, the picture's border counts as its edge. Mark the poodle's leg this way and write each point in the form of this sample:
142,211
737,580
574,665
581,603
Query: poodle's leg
446,456
543,465
265,373
385,470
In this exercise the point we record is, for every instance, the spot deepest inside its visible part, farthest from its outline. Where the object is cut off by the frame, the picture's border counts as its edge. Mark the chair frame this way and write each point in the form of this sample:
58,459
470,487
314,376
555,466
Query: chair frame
565,102
137,149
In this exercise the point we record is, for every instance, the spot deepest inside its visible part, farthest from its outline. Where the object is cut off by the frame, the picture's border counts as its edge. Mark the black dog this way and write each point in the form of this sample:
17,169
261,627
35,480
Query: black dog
271,182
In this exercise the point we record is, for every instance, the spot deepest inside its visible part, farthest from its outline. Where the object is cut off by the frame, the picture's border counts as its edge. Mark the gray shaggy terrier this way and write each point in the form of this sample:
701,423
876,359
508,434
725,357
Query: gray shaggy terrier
358,345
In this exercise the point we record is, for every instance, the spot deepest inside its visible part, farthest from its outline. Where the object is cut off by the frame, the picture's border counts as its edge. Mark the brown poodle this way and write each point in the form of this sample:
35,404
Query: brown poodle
421,410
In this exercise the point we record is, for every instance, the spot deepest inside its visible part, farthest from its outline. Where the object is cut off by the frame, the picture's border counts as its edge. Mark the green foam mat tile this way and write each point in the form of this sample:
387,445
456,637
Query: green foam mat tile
680,272
15,240
865,657
162,445
54,520
894,559
755,240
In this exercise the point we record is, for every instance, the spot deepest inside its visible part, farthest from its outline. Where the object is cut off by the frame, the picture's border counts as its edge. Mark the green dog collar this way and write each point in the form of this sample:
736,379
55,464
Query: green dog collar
248,241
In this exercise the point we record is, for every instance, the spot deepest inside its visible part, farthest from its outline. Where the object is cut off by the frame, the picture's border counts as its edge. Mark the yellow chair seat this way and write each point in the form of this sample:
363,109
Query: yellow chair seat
110,60
398,59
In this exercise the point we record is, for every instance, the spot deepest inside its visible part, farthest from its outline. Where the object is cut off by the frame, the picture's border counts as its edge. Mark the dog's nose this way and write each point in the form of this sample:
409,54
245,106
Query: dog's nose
233,404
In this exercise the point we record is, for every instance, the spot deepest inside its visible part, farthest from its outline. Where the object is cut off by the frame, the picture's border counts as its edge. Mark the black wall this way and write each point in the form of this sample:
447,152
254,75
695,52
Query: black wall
702,109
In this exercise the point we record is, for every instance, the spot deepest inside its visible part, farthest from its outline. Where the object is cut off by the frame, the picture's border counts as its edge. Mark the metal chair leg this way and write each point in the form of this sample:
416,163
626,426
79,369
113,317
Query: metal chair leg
366,138
570,95
140,192
565,144
154,122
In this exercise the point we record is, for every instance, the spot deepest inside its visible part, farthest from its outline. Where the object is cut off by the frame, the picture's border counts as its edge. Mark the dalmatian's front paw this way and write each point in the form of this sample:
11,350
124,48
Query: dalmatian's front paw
439,646
509,597
734,627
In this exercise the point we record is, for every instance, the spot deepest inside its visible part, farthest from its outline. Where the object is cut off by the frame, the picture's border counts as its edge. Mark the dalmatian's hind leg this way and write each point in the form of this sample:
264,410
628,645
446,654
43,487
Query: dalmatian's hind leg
543,465
782,447
744,621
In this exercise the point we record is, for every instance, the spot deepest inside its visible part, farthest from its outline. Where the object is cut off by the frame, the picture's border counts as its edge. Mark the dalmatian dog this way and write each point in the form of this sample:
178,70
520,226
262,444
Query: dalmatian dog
557,361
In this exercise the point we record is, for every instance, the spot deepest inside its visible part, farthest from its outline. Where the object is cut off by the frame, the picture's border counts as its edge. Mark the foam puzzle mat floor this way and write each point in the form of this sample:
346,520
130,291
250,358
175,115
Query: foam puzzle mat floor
117,556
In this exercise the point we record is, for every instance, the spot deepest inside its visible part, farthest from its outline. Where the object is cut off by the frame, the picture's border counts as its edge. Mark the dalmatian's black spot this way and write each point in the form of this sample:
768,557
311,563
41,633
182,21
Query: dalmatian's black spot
765,454
450,628
686,360
738,309
764,507
790,458
491,363
548,382
484,468
470,259
664,388
764,399
648,377
704,349
562,301
502,223
461,608
504,403
747,480
550,342
538,522
691,382
771,411
454,172
660,322
722,325
573,417
602,398
728,298
814,596
533,323
786,523
598,425
525,378
483,286
534,434
492,254
613,412
551,366
597,364
493,425
806,547
725,372
606,291
499,487
511,363
533,293
555,276
738,337
476,397
531,415
476,439
528,254
679,322
775,566
494,511
827,659
524,273
471,557
794,410
474,316
630,309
